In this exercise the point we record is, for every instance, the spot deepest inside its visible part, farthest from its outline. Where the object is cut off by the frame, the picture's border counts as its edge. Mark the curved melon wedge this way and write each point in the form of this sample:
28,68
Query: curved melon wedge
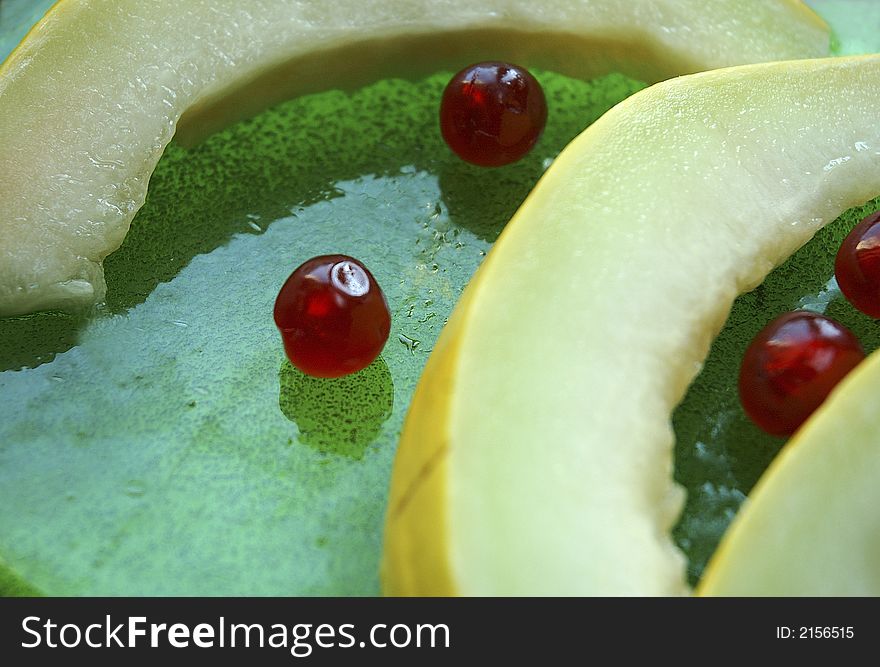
811,526
537,454
94,93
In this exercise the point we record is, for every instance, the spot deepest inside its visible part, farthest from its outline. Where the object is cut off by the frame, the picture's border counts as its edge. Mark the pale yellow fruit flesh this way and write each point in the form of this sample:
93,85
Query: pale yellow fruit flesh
95,92
812,524
548,398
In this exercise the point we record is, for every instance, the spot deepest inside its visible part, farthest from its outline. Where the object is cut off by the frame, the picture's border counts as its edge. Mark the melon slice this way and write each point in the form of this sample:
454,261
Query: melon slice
811,526
537,453
94,93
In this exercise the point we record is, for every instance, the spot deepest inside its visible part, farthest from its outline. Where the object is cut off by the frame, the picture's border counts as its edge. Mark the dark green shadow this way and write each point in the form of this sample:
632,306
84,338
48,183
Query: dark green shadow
341,415
32,340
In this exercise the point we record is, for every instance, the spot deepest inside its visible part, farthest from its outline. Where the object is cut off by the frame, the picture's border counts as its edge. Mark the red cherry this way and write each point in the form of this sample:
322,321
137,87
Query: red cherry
492,113
857,266
333,317
791,366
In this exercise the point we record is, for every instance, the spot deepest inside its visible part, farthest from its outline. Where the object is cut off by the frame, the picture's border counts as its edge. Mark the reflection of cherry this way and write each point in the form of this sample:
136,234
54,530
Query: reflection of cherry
857,266
791,366
333,317
492,113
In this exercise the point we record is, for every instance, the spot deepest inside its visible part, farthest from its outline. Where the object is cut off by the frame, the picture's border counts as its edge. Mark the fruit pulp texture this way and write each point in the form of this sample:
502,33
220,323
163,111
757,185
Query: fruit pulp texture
791,366
492,113
332,316
857,266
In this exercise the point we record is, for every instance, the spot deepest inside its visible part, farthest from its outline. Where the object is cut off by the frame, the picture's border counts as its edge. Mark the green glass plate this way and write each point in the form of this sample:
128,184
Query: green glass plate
162,445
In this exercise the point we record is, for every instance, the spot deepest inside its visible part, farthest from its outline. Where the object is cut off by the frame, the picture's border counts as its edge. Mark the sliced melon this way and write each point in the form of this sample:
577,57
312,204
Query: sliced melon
537,454
95,92
811,526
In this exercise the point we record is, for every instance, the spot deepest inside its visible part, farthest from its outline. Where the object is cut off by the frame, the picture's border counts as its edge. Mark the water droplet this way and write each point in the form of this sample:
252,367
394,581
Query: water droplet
135,488
836,162
410,343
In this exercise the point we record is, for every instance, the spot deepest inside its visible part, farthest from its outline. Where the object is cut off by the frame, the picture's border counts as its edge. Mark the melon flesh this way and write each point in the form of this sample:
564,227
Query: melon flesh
537,456
95,92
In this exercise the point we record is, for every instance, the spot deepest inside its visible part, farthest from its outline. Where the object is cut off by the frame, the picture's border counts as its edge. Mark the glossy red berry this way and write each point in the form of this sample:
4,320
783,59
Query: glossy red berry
791,366
333,317
857,266
492,113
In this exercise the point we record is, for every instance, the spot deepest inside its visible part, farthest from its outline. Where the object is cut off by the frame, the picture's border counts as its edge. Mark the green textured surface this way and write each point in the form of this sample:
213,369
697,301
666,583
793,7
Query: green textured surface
163,446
